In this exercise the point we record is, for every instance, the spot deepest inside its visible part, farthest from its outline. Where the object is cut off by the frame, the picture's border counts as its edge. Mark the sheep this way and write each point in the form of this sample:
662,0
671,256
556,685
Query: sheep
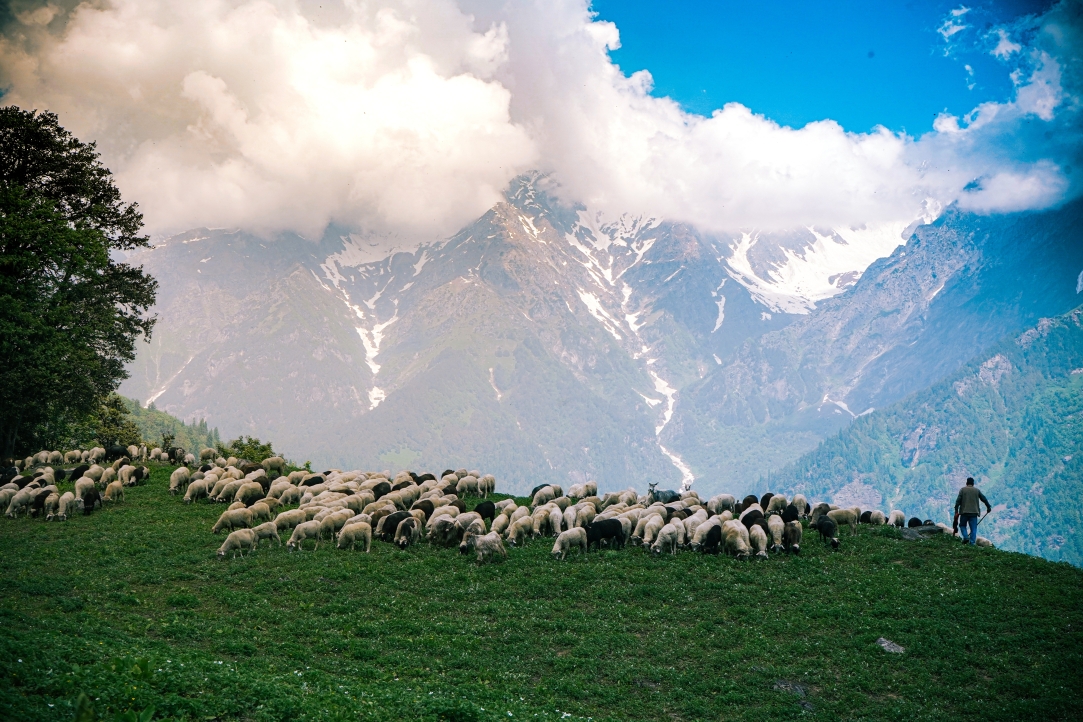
829,530
896,518
406,533
757,539
207,454
651,528
196,490
735,538
238,541
66,507
667,539
114,492
983,542
21,500
442,531
699,537
520,530
777,528
845,516
290,519
233,518
249,492
776,505
83,486
260,511
721,502
819,510
353,533
544,495
267,530
55,458
178,480
877,518
555,520
791,537
574,537
52,503
585,515
610,531
301,532
488,546
109,475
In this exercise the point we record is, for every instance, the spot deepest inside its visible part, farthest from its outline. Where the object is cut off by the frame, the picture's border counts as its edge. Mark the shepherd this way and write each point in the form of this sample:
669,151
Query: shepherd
967,508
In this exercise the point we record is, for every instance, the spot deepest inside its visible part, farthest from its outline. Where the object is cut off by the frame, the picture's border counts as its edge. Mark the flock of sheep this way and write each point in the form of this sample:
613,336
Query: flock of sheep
29,486
349,508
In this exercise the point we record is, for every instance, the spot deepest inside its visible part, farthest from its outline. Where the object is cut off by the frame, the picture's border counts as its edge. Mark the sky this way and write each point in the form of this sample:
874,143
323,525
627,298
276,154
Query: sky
407,119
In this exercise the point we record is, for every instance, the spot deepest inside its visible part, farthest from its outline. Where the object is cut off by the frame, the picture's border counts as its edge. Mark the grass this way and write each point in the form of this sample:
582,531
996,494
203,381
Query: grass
131,607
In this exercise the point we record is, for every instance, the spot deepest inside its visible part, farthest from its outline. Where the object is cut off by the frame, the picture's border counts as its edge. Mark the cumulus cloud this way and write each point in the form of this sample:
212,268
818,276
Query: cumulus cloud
408,117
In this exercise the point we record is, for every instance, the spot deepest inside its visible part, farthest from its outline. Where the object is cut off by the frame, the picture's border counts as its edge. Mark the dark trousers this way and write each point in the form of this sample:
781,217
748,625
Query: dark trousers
970,520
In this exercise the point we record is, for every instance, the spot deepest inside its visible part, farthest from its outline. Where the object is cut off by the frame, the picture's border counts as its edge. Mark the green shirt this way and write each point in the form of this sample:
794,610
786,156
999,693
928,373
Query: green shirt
967,501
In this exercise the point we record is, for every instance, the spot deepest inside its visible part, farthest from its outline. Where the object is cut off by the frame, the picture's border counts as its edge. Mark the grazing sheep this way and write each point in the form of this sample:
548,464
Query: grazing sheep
720,503
575,537
757,539
52,503
877,518
232,519
555,520
274,463
845,516
487,546
829,530
114,492
543,496
442,530
109,475
896,518
238,541
303,531
650,530
260,511
735,539
791,537
178,480
611,532
983,542
914,521
290,519
407,533
777,528
72,457
83,486
666,540
267,530
249,492
207,454
776,505
353,533
699,538
66,507
520,530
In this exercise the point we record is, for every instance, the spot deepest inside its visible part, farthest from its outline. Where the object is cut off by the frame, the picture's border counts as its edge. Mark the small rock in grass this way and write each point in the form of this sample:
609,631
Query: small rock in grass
890,646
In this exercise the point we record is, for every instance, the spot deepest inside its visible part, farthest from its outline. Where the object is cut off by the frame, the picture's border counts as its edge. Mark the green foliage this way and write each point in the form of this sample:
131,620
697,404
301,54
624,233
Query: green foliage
115,425
247,447
165,430
1012,418
84,712
69,312
425,634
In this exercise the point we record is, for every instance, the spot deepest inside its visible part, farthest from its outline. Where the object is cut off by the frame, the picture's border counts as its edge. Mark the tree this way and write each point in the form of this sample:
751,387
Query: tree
115,425
247,447
70,311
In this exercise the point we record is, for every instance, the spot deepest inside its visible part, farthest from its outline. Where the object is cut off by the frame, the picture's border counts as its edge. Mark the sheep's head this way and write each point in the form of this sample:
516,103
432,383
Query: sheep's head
835,543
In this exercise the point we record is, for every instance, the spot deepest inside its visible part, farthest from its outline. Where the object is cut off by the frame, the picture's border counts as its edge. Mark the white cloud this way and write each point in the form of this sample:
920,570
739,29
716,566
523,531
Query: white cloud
408,117
1005,48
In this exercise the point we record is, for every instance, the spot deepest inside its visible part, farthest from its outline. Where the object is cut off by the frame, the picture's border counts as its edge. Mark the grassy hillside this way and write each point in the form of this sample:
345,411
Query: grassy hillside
425,634
1012,418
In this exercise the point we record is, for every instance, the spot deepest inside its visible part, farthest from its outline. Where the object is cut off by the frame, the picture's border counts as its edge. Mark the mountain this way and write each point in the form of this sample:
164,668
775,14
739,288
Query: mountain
957,286
1012,418
541,342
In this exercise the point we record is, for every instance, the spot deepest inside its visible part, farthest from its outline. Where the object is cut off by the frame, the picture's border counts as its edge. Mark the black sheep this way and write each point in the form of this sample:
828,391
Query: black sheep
458,504
487,509
751,517
407,526
78,471
402,485
448,490
8,474
766,499
38,504
829,530
712,544
381,489
115,452
928,522
206,467
446,472
425,477
426,506
91,501
749,501
536,489
138,475
607,530
790,513
914,521
864,518
391,523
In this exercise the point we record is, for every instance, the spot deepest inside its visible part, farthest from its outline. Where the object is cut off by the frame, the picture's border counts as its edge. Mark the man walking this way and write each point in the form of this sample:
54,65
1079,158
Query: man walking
967,508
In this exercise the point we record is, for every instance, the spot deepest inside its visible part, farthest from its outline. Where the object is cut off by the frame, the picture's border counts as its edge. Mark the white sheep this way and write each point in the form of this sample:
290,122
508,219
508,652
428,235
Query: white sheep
983,542
304,530
667,540
232,519
267,530
575,537
353,533
520,530
66,507
555,521
652,528
777,528
735,538
238,541
896,518
21,500
801,503
846,516
178,480
114,492
791,537
877,518
83,486
544,495
699,538
52,503
776,505
757,539
290,519
487,546
196,490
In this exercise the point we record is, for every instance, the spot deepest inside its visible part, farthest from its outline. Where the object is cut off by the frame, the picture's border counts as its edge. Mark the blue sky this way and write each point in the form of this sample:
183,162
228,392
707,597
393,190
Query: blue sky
859,63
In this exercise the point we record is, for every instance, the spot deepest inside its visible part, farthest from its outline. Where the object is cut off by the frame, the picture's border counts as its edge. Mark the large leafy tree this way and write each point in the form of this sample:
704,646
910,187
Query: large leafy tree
70,311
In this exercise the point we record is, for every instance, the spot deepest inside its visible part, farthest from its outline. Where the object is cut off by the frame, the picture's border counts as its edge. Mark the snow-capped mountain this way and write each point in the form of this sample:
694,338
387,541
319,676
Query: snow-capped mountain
542,342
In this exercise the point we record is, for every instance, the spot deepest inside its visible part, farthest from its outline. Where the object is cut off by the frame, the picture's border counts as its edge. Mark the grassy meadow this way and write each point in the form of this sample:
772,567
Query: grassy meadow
131,607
